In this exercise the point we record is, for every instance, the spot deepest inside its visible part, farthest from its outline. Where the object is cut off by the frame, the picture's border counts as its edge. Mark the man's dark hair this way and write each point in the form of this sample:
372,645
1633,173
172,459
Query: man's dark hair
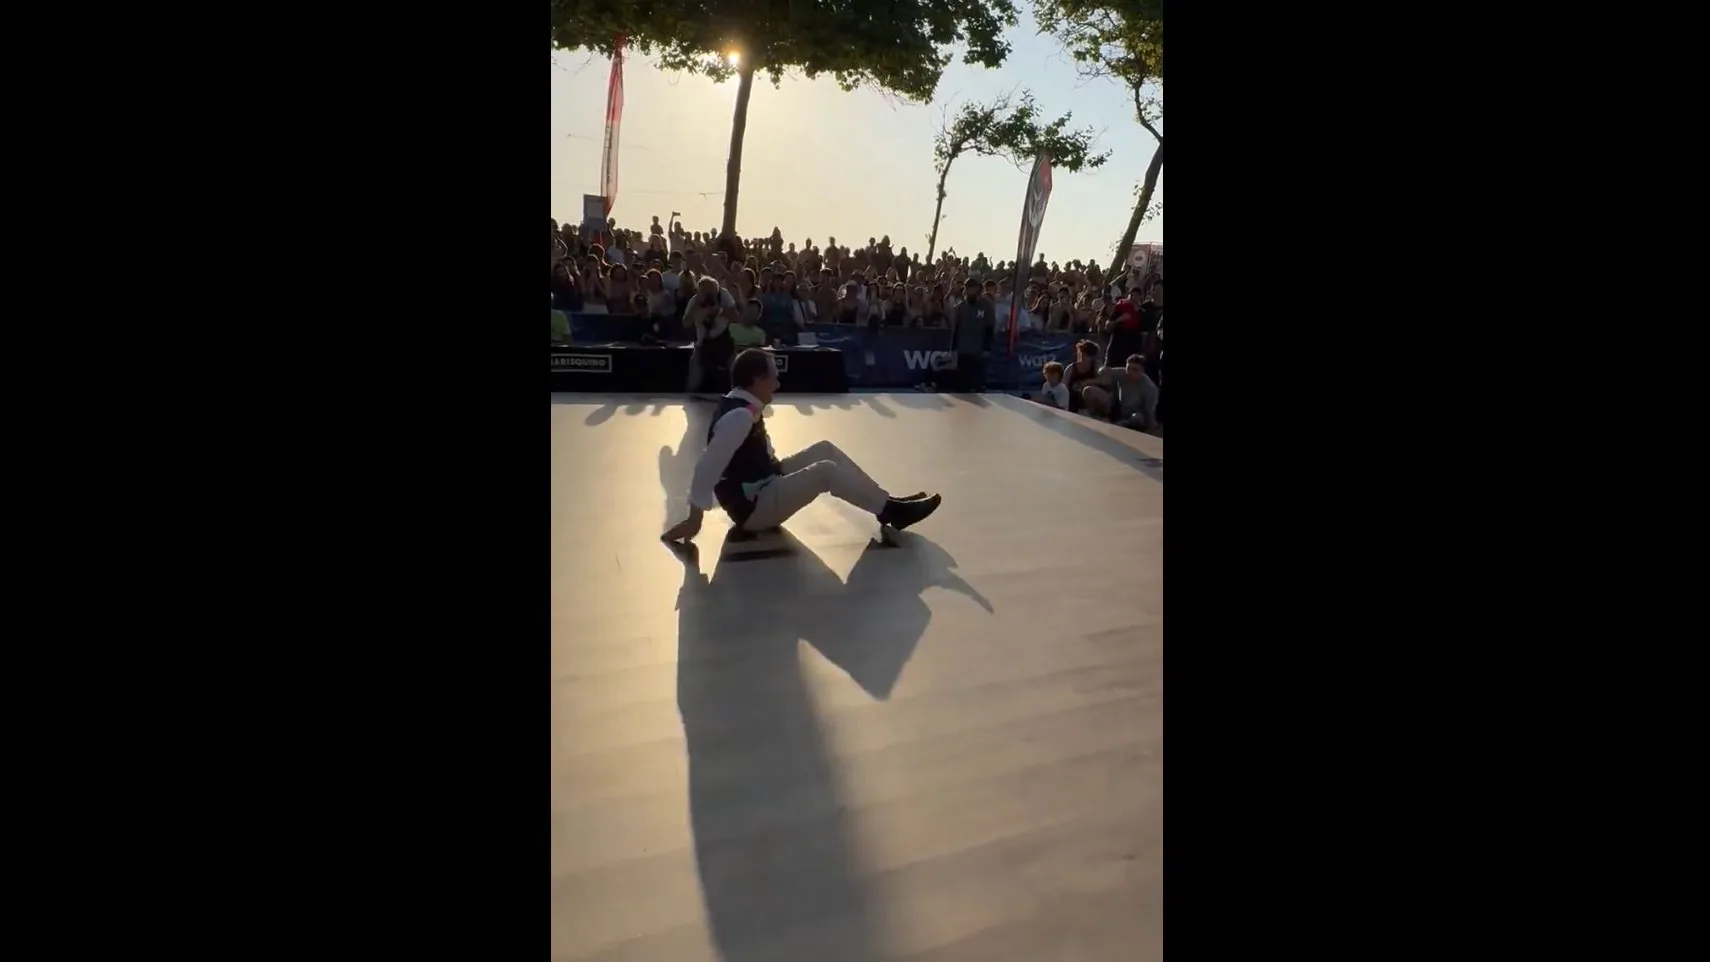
1135,359
1086,348
750,366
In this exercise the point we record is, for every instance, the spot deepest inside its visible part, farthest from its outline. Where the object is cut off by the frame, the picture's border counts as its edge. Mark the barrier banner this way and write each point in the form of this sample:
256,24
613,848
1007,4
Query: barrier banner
901,356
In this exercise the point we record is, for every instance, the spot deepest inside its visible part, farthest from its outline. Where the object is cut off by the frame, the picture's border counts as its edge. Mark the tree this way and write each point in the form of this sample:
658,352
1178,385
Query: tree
1120,40
897,45
1008,127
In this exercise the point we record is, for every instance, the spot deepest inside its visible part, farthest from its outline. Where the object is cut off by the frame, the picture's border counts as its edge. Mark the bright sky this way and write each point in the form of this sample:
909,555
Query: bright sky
819,163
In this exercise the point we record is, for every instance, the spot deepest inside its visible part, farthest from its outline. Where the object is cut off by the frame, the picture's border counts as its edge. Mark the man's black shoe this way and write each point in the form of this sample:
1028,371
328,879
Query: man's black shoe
901,514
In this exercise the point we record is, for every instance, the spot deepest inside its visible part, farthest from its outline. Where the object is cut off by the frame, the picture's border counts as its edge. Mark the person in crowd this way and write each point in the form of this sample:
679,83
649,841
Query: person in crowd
709,317
560,326
1085,315
660,306
1132,401
914,306
656,242
896,307
747,286
1094,277
1038,308
747,332
826,294
566,293
673,273
739,472
1155,361
1054,392
804,310
971,336
848,309
593,282
620,293
1083,375
613,253
778,308
936,310
1060,315
1129,327
560,250
863,302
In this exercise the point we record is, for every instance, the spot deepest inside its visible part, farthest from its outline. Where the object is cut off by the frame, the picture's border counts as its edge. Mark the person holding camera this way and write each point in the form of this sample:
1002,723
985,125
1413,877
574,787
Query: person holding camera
709,316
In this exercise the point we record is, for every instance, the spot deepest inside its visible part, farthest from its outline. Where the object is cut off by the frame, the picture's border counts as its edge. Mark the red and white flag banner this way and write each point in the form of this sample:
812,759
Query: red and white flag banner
614,119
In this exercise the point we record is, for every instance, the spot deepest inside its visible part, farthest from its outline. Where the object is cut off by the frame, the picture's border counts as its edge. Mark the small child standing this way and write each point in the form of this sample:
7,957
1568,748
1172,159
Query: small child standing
1054,392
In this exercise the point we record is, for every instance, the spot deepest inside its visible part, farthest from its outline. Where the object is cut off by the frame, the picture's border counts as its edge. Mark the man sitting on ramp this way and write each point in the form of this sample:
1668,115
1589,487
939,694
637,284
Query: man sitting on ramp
760,492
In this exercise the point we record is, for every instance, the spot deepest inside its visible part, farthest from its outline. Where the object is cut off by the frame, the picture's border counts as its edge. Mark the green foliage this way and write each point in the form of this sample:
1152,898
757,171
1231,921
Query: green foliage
1012,128
1121,40
896,45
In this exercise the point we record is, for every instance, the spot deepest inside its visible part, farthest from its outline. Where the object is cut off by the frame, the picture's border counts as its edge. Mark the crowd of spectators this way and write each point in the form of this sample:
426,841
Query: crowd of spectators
766,290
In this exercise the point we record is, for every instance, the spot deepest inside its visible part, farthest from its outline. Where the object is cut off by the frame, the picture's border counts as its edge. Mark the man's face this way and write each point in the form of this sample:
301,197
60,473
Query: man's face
765,387
1134,370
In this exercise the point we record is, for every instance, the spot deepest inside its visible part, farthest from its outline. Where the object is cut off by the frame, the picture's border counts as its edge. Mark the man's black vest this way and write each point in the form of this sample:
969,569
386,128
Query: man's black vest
752,462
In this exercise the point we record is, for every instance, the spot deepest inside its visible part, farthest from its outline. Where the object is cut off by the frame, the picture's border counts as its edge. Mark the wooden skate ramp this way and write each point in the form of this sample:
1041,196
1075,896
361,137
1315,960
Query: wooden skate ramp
808,748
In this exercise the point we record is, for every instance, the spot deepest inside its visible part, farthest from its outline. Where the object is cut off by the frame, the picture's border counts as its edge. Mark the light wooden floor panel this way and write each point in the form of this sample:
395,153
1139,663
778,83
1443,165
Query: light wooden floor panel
947,751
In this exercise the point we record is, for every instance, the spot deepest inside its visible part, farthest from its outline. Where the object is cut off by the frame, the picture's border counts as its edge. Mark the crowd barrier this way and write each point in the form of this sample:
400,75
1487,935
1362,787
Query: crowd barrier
894,357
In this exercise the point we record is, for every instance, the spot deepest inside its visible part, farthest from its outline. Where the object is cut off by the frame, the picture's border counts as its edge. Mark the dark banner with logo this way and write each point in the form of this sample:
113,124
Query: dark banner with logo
892,357
1032,219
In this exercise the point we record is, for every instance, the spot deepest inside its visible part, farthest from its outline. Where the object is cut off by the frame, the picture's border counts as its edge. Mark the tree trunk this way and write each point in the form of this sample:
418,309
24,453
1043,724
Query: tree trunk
1126,246
932,242
738,127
